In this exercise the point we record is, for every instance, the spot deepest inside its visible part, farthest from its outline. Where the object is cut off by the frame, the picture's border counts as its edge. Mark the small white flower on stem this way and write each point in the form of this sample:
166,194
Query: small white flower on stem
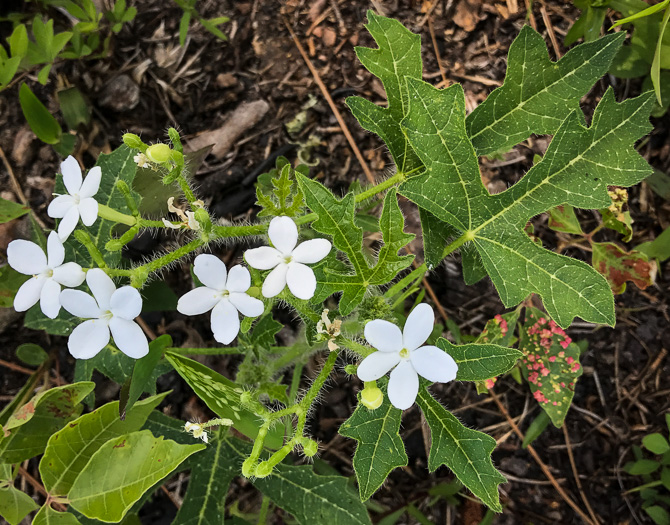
330,330
142,160
197,430
188,219
79,201
224,293
109,310
402,353
48,274
288,260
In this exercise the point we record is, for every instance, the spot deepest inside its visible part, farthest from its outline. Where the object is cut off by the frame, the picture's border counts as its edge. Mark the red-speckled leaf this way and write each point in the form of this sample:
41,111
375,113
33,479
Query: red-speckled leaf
619,266
563,219
550,364
500,331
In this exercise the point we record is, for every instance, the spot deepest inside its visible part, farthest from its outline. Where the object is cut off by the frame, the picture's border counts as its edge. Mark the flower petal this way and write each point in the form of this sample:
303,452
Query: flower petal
87,339
91,183
384,336
376,365
69,274
49,298
434,364
26,257
301,280
101,286
418,326
275,281
126,302
71,175
79,304
403,385
283,233
88,209
311,251
129,337
29,293
247,305
60,206
68,223
211,271
239,279
55,251
225,322
263,258
198,301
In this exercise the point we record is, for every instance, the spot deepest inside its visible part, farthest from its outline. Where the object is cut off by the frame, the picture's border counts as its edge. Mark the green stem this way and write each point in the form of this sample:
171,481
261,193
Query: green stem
220,232
357,348
109,214
166,259
318,383
382,186
206,351
263,514
295,382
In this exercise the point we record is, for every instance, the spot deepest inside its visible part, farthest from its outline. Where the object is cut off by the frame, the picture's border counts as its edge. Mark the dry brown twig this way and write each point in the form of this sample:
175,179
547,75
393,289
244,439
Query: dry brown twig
576,475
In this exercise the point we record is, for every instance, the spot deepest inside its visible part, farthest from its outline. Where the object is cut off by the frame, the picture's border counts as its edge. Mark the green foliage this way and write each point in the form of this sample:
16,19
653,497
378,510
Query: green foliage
121,470
14,504
49,516
40,120
188,6
659,248
619,266
11,210
280,195
380,448
563,219
478,362
10,282
31,354
535,429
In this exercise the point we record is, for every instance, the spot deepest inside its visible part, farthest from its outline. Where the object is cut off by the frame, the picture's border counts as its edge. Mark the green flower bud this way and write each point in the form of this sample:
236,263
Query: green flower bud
175,139
159,153
133,141
113,245
310,447
254,291
372,397
203,219
349,369
249,467
263,470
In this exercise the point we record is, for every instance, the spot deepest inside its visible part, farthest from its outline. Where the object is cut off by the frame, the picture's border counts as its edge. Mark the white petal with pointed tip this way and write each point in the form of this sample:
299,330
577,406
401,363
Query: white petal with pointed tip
91,183
275,281
225,322
101,286
88,210
376,365
434,364
126,302
55,251
28,294
68,223
49,298
60,206
403,385
283,233
247,305
26,257
87,339
129,337
311,251
418,326
263,258
71,175
69,274
239,279
301,280
211,271
198,301
383,336
79,304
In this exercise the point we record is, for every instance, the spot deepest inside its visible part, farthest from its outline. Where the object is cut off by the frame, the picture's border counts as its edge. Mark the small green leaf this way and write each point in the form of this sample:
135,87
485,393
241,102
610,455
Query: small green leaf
436,235
659,248
563,219
655,443
535,429
380,448
43,124
478,362
500,329
144,371
264,332
74,107
14,504
642,467
466,452
31,354
619,266
18,41
10,282
658,514
122,470
49,516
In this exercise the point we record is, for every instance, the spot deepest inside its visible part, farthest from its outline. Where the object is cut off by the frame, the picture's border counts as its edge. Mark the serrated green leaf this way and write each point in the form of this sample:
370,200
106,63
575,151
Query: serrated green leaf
11,210
49,516
31,426
537,94
478,362
122,470
311,498
466,452
451,189
222,396
211,473
69,450
619,266
380,448
563,219
436,235
336,218
14,504
264,332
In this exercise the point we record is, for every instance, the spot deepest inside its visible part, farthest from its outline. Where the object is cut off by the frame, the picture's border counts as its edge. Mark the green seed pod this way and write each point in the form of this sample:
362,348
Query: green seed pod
263,470
113,245
159,153
133,141
310,447
372,397
249,467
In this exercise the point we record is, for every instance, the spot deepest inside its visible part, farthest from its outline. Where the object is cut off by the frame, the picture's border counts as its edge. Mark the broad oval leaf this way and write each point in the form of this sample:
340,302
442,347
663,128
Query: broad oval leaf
49,516
14,504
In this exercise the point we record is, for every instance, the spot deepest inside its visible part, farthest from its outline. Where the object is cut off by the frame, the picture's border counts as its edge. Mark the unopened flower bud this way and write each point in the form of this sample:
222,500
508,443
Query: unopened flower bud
159,153
249,467
372,397
310,447
133,141
263,470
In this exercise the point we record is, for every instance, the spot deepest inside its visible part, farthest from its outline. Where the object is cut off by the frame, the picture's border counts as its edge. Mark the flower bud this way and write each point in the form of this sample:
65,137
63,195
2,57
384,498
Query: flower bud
133,141
310,447
372,397
159,153
349,369
113,245
263,470
249,467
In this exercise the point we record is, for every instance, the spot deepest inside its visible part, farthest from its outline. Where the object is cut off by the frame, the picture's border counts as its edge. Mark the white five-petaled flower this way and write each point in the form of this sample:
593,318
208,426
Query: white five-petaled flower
79,201
111,310
288,260
404,352
224,293
48,274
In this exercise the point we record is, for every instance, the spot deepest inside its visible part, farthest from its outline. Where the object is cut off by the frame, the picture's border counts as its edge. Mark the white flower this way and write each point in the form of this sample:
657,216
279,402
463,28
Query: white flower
405,350
79,201
197,430
141,160
48,274
111,310
288,260
223,293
